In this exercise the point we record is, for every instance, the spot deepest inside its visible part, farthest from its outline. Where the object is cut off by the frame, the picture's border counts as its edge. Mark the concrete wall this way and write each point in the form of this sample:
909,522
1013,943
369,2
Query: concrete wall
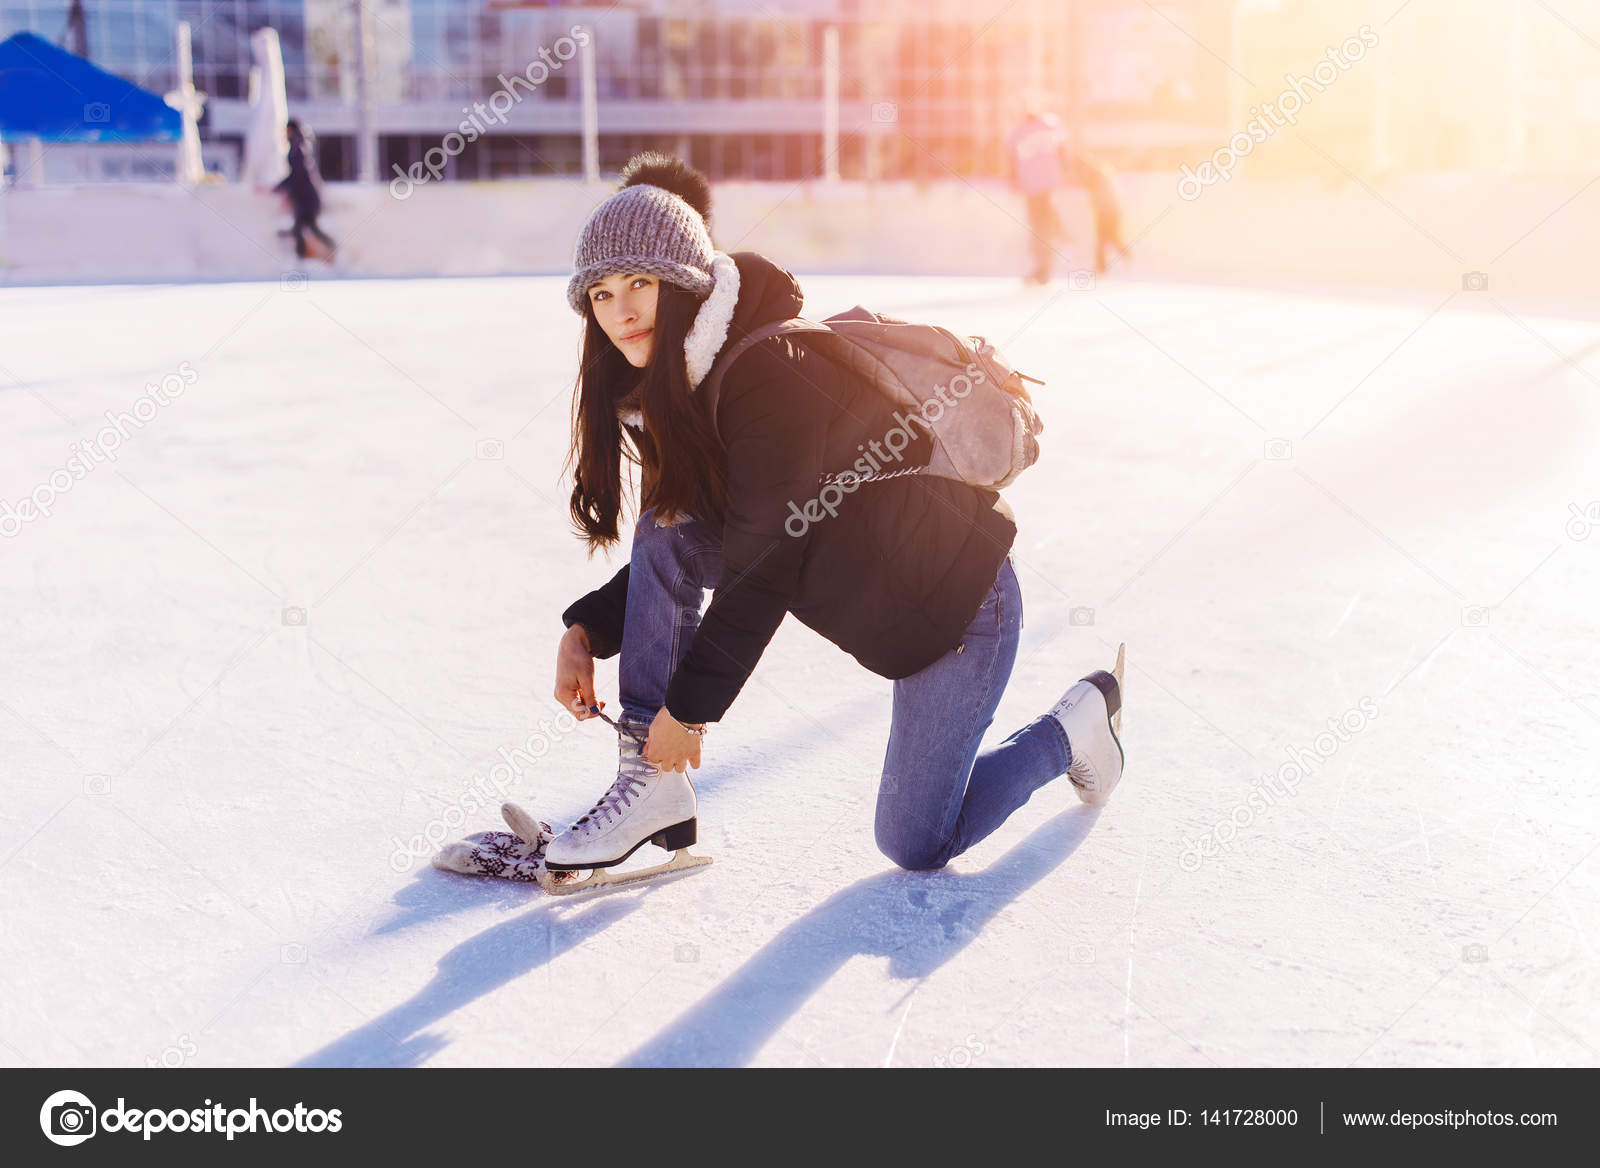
1530,236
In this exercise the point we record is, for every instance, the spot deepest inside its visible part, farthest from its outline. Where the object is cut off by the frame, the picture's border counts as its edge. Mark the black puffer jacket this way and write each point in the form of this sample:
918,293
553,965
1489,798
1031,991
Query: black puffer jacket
893,578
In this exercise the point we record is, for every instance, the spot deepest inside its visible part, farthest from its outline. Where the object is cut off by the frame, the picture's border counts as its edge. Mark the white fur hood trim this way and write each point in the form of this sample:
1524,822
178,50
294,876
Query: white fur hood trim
710,330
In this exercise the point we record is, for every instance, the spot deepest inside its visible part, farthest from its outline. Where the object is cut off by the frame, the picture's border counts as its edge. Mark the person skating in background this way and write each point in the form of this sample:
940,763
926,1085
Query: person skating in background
1100,181
300,188
1037,150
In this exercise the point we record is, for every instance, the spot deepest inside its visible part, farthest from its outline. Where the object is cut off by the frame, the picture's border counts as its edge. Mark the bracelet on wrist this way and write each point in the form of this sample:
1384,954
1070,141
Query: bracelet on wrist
699,731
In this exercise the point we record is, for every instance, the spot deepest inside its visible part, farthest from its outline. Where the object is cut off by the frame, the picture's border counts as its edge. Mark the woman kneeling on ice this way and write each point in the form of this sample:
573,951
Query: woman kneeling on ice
911,575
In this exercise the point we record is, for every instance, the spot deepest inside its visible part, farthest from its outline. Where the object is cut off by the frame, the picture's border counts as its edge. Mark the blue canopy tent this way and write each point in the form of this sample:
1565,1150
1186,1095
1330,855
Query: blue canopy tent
51,95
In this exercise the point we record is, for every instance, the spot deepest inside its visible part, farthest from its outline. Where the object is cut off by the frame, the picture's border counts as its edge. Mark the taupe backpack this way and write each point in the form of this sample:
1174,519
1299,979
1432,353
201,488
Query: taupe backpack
963,391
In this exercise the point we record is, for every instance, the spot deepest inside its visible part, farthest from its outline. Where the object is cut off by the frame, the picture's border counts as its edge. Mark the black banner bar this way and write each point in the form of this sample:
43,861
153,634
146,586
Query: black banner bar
132,1115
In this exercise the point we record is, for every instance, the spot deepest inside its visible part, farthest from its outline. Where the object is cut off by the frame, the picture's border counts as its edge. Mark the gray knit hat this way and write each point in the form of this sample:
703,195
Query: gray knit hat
646,229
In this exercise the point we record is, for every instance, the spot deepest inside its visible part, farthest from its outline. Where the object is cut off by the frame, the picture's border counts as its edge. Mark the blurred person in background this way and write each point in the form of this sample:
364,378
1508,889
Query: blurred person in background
1100,181
300,189
1037,149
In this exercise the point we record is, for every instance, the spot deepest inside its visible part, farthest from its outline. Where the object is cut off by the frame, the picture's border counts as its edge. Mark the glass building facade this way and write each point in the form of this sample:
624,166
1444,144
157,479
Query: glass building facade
928,88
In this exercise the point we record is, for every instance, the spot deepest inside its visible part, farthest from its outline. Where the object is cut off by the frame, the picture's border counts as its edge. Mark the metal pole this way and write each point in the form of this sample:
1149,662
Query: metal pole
830,103
589,96
77,30
190,168
28,161
1382,153
1077,65
1515,157
1036,27
366,140
1238,98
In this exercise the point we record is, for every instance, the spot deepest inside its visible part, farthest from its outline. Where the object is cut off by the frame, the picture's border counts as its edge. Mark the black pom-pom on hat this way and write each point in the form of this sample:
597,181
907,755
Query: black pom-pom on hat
673,174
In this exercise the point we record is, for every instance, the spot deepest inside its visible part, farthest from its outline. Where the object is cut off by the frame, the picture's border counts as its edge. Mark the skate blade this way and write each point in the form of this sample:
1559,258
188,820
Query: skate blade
1116,672
564,883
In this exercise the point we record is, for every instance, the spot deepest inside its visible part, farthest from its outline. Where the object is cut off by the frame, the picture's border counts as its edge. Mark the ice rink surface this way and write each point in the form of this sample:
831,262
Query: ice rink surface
1352,547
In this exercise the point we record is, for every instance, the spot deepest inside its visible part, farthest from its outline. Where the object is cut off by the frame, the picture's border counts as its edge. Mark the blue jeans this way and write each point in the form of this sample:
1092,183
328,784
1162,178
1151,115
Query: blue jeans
938,795
668,572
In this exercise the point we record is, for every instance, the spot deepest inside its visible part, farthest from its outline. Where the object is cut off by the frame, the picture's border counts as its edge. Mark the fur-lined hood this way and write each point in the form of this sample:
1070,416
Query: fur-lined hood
749,291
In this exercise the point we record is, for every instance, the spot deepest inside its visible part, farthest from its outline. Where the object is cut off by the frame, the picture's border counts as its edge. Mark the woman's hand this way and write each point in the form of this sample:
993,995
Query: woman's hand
575,673
670,746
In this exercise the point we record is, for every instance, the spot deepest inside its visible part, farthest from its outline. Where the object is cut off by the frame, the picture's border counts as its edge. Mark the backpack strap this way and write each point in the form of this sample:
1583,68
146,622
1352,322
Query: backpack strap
711,387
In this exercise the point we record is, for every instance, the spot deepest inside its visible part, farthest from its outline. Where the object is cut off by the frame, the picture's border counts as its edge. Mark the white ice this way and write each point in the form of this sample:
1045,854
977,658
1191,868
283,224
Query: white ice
203,796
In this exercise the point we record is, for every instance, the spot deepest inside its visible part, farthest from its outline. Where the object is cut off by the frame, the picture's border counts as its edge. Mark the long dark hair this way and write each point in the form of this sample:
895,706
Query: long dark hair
682,466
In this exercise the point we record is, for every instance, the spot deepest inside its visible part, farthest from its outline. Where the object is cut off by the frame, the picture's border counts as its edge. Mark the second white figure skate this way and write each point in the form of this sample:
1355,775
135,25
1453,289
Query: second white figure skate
1091,714
644,805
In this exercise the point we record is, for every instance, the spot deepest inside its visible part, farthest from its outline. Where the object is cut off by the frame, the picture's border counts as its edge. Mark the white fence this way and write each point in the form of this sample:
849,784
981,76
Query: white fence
1525,235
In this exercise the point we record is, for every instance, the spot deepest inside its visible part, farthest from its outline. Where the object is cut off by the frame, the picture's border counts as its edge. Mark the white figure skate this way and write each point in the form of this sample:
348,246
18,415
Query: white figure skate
644,805
1091,714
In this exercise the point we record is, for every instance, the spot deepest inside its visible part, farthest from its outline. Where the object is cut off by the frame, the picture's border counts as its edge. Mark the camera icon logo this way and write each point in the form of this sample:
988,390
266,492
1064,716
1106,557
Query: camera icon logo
98,112
686,953
1583,521
885,111
1080,954
1277,450
1475,954
97,784
491,448
1475,616
293,281
293,953
294,615
1080,280
1080,617
960,1057
67,1118
1475,282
